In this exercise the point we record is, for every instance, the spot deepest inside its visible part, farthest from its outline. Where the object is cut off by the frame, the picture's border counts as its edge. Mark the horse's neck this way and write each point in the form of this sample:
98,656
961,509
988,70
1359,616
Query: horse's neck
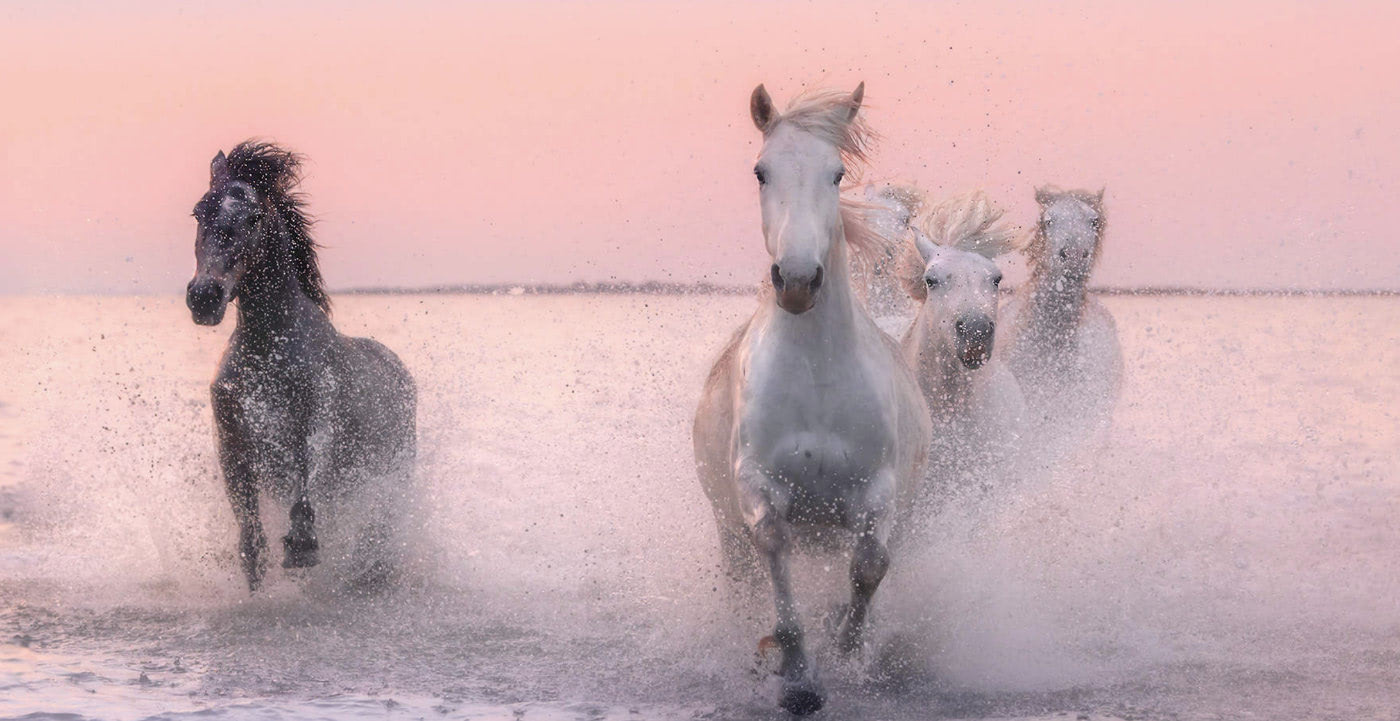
271,300
1056,305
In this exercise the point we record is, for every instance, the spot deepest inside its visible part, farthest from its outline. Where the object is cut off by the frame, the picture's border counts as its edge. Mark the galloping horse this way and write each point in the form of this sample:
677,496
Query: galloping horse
301,411
1062,344
810,418
978,411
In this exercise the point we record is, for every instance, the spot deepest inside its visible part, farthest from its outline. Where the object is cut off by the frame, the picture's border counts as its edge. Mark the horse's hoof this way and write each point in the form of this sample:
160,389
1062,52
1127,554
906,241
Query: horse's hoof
301,552
802,698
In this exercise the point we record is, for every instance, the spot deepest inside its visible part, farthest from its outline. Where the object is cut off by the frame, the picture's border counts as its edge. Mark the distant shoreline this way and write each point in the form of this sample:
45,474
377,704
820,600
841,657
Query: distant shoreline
681,289
658,288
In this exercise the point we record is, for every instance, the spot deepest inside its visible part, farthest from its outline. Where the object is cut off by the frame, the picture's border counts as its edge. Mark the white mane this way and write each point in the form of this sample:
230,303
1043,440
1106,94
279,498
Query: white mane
968,222
971,222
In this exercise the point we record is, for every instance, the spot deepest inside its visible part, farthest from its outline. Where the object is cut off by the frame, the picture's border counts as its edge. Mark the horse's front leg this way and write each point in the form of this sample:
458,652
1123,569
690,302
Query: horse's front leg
871,520
765,513
243,496
240,483
302,550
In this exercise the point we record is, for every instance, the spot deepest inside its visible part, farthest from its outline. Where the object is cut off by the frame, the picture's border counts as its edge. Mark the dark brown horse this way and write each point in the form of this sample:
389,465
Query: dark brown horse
303,413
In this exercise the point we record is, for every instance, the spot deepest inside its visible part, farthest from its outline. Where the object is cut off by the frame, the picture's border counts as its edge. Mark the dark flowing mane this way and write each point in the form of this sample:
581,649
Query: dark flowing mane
275,173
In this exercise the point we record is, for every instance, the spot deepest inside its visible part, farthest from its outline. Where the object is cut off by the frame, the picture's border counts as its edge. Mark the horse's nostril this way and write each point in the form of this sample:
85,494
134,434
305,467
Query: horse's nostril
204,298
817,279
1064,254
777,279
961,326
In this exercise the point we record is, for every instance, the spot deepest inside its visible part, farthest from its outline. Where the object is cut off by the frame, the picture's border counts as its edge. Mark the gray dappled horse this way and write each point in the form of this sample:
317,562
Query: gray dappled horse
302,412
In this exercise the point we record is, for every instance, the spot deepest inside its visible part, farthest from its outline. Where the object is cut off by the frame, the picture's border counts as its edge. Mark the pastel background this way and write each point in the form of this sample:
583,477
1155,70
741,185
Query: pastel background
1254,145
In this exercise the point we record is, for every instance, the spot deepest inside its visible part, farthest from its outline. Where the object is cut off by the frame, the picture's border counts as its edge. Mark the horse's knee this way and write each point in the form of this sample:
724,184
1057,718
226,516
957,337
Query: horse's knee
788,635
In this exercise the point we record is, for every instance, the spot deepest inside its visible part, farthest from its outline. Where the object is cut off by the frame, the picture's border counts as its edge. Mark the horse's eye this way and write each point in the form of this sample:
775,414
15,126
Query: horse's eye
758,173
1096,223
931,282
840,175
996,281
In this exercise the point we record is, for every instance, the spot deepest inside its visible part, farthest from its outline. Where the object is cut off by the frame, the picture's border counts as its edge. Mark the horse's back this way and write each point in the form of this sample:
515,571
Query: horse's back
379,398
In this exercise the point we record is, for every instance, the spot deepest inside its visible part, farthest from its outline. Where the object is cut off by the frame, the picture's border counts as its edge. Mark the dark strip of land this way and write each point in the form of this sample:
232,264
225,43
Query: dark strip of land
659,288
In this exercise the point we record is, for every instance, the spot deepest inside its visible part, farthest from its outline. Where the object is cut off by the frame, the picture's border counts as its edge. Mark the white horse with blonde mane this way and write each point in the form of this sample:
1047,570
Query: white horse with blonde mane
810,421
1062,343
979,414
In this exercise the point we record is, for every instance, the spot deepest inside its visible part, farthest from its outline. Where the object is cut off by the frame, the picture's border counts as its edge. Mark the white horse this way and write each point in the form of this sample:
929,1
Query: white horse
810,420
889,210
1061,343
979,414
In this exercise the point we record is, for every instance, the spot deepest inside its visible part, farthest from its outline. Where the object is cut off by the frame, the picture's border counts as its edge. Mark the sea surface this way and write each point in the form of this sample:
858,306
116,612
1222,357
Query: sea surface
1231,550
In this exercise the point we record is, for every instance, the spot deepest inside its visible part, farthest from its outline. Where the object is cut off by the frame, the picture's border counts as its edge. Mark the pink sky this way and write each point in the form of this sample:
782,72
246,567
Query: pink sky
1244,146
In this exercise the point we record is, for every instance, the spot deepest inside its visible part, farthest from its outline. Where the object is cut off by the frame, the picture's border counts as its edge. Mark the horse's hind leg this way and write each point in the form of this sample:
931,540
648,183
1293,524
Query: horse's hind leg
737,558
379,554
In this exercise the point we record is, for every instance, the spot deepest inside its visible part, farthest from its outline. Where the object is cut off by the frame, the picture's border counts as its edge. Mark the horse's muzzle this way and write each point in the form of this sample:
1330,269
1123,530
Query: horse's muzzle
797,292
206,301
975,337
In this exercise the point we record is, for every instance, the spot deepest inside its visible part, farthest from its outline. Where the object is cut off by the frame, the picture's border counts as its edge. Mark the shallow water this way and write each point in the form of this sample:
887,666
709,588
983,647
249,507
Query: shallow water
1228,553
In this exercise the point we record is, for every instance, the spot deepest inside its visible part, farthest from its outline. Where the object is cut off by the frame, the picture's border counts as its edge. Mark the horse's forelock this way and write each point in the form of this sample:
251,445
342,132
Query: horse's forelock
275,172
971,222
834,116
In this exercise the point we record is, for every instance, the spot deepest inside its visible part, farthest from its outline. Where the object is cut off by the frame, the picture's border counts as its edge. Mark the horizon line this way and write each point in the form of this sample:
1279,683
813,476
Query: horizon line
707,288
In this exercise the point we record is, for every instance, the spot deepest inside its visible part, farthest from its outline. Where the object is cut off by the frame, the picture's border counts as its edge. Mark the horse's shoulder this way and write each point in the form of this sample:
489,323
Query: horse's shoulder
725,361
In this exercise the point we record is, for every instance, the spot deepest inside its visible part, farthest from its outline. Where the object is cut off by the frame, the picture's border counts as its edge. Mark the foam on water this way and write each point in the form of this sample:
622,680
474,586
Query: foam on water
1229,548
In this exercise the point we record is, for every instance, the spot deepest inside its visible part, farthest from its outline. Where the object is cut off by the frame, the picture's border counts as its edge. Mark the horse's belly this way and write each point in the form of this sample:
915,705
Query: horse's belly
822,474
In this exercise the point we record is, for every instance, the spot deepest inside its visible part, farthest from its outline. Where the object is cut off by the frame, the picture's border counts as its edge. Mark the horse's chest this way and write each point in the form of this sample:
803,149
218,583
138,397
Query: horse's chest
270,408
815,421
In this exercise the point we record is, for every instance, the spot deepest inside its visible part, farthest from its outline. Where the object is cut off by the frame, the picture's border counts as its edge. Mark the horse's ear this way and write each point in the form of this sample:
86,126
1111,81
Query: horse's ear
924,245
761,108
1044,194
1098,198
218,169
856,96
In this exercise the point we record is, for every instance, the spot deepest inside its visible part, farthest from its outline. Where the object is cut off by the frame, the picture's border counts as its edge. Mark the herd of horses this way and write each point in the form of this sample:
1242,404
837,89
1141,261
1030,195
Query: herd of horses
814,420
